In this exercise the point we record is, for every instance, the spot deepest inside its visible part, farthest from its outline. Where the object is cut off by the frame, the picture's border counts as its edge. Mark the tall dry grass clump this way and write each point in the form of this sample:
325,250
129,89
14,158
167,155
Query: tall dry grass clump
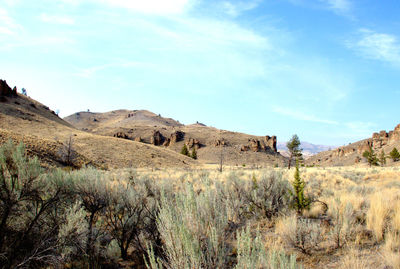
378,213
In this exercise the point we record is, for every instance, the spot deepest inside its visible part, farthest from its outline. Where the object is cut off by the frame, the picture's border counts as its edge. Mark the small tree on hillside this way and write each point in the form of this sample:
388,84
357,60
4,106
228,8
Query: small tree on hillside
185,150
370,156
300,201
382,158
394,155
194,154
293,146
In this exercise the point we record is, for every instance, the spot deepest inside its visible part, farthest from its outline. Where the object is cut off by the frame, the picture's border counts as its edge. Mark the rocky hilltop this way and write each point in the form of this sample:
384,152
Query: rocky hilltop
210,143
352,153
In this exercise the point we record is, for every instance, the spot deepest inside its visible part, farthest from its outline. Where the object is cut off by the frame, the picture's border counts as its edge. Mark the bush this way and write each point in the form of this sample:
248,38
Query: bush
251,253
300,234
30,202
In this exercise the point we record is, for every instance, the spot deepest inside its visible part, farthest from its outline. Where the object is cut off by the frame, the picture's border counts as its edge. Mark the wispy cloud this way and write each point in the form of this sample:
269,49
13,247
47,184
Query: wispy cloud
340,6
156,7
377,46
56,19
300,115
8,26
236,8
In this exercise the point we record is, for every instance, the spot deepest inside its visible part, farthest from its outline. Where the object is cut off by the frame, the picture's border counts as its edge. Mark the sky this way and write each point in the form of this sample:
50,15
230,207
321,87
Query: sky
326,70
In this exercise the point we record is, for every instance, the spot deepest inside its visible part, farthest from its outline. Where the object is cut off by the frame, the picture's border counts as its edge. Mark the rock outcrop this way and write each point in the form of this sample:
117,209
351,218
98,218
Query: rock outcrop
157,139
193,143
254,145
5,90
121,135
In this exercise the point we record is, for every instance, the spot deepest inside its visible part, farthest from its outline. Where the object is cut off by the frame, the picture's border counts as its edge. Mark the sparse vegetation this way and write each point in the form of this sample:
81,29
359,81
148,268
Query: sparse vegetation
194,154
196,219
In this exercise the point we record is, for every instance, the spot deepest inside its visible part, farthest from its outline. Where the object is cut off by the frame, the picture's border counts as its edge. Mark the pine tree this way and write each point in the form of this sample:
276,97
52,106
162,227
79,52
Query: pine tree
382,158
394,155
185,150
370,155
294,149
194,154
301,201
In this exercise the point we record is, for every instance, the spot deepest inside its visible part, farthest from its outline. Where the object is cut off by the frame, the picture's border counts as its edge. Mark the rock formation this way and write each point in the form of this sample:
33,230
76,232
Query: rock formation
193,142
157,139
121,135
269,144
5,90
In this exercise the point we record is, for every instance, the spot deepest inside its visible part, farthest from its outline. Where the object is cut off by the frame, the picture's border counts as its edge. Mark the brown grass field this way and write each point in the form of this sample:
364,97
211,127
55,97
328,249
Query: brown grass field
363,211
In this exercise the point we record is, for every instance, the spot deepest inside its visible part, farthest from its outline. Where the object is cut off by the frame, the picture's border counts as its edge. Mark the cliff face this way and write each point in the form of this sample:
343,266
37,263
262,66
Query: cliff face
352,153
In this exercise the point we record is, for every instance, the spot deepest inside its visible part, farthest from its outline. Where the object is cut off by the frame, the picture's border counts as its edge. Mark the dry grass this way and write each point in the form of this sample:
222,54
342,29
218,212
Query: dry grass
363,212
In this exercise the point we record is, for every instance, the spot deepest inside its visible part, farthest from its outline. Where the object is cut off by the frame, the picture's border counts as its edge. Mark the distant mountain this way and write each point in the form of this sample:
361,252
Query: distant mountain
308,148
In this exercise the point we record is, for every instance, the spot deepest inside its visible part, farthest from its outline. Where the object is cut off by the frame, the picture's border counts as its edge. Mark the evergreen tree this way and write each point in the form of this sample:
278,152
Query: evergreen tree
194,154
395,155
370,155
382,158
185,150
300,201
293,146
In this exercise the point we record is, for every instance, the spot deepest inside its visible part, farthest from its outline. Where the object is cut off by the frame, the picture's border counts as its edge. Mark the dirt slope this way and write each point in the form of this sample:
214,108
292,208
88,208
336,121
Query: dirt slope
44,133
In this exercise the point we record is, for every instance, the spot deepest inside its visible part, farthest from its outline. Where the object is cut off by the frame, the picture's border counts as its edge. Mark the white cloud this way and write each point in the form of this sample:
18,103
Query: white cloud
7,24
300,115
236,8
91,71
155,7
341,6
377,46
56,19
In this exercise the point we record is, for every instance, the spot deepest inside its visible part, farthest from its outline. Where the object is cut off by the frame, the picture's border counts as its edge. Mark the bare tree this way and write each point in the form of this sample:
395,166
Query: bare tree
68,152
221,158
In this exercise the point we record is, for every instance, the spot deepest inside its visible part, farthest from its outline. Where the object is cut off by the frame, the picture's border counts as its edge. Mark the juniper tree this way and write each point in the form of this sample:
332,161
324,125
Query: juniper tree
185,150
194,154
370,155
394,155
300,201
382,158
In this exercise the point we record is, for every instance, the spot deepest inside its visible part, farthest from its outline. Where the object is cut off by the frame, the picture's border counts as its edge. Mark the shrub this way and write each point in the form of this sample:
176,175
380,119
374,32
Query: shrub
29,204
251,253
300,234
194,230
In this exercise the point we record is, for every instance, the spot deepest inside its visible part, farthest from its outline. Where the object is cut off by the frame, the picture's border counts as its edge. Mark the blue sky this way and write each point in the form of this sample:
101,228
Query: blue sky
327,70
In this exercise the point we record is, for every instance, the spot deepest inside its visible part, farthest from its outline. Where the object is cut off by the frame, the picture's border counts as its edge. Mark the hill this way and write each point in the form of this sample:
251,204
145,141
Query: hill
44,134
210,143
352,153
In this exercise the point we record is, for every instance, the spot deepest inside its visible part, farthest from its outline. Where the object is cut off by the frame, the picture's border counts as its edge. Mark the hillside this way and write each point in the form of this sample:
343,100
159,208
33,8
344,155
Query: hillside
149,128
352,153
44,134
